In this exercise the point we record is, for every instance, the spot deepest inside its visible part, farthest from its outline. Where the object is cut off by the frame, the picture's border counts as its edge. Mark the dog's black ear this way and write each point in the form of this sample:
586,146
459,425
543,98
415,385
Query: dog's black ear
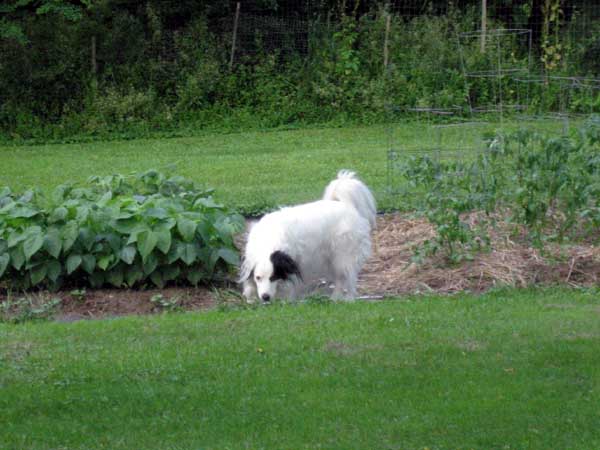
283,266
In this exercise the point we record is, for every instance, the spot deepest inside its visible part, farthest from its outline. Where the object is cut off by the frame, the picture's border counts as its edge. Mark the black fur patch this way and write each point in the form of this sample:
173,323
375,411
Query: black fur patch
283,266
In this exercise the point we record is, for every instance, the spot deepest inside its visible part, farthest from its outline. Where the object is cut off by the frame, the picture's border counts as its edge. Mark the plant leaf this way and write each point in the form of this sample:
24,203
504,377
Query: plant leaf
73,262
206,230
17,257
15,237
69,235
177,248
133,274
157,279
53,242
128,254
163,242
86,238
58,214
194,276
54,270
156,213
32,244
189,253
115,276
4,260
186,228
150,264
125,225
146,242
88,263
23,212
105,261
229,256
38,273
207,202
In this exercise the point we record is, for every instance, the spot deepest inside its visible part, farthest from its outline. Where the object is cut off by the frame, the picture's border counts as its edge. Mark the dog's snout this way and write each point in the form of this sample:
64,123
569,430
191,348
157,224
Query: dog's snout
266,297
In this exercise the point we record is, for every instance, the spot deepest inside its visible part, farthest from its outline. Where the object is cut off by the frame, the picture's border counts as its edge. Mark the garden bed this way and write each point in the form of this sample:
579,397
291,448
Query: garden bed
390,271
510,261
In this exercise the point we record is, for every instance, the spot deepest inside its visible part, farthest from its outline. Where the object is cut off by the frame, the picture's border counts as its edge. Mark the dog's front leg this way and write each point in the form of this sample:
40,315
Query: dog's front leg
249,291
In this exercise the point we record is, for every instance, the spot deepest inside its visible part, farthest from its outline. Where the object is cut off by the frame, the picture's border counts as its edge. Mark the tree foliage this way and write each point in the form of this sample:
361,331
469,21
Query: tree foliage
105,66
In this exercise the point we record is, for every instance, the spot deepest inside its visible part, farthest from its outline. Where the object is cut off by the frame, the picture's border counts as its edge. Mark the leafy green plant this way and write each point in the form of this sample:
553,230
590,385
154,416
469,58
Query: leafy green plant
451,190
116,230
78,294
166,304
28,308
548,185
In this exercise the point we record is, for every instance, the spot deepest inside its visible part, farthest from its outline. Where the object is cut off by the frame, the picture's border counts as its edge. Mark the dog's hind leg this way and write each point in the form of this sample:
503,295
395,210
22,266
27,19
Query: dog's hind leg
345,284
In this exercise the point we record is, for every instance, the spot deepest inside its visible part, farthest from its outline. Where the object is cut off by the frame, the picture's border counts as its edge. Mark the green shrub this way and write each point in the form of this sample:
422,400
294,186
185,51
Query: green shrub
116,230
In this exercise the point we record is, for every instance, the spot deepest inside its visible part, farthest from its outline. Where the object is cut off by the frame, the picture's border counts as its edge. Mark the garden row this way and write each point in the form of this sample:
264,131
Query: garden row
546,187
147,229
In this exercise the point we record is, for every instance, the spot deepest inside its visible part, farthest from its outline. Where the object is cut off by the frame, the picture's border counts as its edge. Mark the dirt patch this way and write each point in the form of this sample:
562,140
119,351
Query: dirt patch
116,302
343,349
16,351
580,337
471,346
560,306
390,271
104,303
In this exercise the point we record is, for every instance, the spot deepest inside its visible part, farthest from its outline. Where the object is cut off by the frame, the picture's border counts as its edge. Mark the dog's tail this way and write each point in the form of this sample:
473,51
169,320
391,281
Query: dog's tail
349,189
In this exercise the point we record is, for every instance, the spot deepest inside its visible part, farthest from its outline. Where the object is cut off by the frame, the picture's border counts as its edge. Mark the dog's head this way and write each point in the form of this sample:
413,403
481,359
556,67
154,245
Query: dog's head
268,272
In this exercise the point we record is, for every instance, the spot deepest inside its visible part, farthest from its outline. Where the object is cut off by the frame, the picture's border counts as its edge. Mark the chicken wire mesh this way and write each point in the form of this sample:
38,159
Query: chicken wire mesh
502,92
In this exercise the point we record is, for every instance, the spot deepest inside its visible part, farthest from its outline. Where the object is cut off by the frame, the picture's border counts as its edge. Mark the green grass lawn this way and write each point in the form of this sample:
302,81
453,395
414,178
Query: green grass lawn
507,370
250,171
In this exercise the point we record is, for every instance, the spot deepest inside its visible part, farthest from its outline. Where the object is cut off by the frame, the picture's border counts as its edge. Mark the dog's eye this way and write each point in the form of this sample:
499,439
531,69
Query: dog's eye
258,278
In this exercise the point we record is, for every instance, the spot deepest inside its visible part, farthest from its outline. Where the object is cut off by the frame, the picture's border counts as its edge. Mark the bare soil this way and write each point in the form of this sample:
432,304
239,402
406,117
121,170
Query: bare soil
390,271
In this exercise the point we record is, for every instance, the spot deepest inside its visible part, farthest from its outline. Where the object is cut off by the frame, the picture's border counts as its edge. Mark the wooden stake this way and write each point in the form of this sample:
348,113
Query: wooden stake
386,42
235,27
483,24
93,60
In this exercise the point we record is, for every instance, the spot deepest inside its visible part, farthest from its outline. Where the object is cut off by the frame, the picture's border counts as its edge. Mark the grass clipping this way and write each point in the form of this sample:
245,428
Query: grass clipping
510,261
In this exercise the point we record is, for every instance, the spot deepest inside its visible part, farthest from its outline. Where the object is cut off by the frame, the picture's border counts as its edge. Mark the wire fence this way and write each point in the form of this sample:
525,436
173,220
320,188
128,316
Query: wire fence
524,49
554,22
468,56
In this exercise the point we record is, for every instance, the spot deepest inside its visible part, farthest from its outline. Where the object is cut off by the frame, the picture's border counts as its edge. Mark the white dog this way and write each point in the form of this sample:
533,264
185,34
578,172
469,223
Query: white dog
291,250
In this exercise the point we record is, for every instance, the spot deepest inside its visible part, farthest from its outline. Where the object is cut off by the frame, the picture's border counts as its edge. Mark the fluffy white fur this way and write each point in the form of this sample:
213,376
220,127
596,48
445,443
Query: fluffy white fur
291,250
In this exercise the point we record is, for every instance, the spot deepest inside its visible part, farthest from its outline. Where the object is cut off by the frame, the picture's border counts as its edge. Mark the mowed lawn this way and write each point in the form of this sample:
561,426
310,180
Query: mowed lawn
506,370
253,171
248,170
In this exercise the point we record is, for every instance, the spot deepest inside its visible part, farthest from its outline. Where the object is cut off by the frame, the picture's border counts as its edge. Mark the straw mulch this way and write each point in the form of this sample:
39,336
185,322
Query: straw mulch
511,261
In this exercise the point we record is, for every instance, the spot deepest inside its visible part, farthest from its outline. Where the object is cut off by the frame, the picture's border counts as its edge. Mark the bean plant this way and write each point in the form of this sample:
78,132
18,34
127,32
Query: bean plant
116,230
